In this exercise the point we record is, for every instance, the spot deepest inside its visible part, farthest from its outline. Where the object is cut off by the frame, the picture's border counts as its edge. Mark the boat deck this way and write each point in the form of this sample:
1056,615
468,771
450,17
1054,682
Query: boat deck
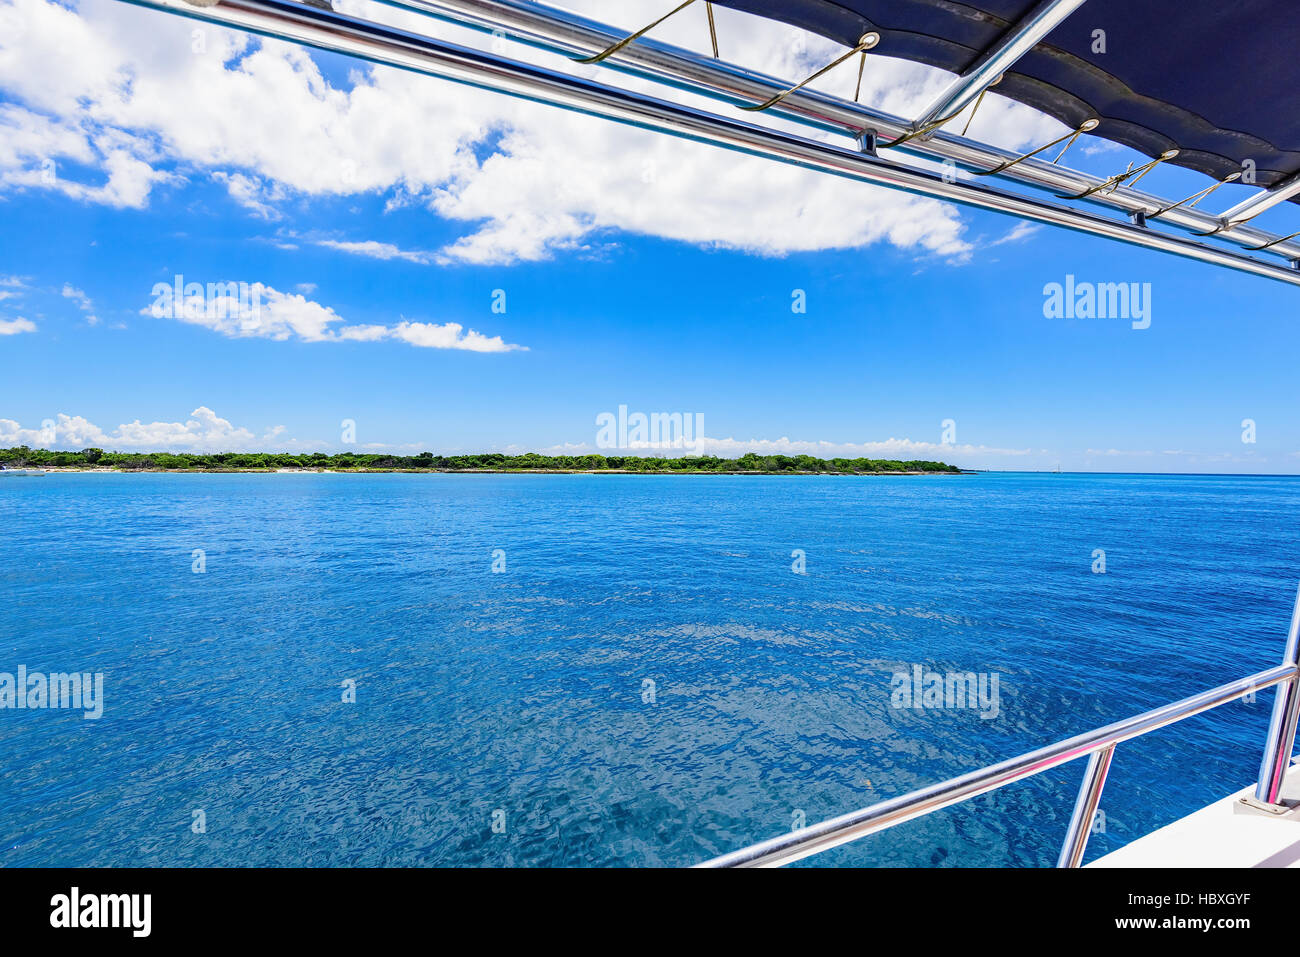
1221,835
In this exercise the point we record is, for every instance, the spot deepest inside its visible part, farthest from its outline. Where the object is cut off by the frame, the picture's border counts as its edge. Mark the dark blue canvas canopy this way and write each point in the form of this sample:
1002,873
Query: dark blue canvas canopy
1209,78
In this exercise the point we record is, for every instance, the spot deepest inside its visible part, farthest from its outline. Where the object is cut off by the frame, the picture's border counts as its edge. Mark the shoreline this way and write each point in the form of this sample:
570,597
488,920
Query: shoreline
71,470
95,460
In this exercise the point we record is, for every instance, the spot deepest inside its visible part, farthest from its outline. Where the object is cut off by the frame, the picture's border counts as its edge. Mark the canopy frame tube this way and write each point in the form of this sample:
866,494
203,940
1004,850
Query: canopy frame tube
1251,207
1013,45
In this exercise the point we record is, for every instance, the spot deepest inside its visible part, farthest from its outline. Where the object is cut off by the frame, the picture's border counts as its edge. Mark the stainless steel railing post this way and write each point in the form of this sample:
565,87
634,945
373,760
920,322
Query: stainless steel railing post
1085,808
1282,726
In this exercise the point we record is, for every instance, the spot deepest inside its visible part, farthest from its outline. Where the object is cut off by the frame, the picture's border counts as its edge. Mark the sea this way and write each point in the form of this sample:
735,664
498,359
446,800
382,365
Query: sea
618,670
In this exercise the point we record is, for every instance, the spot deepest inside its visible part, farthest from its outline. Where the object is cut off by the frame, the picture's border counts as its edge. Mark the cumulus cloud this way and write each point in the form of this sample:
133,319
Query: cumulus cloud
139,97
258,311
35,148
449,335
11,327
203,431
253,194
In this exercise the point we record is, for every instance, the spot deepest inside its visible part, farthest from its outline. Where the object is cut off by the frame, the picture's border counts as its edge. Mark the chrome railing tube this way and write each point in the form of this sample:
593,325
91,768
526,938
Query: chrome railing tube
1282,726
1085,808
1013,45
1261,201
849,827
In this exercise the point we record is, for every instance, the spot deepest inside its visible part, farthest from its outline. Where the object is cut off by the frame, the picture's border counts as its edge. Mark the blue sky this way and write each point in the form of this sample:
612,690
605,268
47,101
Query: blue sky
663,287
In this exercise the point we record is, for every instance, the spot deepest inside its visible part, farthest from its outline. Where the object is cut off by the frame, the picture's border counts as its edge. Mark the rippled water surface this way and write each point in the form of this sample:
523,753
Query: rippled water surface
523,692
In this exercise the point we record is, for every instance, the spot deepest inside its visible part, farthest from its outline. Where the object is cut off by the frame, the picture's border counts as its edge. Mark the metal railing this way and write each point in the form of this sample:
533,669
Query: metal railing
1099,745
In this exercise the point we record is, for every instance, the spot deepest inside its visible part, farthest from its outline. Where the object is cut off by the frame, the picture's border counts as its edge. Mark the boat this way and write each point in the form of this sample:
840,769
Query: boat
1164,78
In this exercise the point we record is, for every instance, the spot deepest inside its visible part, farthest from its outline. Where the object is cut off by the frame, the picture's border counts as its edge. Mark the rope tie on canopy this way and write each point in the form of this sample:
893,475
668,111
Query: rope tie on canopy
1191,201
921,131
1086,126
939,121
978,100
1130,175
713,30
614,48
1280,239
867,41
1229,224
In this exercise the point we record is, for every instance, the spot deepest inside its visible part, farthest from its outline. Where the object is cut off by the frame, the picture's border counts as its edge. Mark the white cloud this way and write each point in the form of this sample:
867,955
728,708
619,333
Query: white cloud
376,250
12,287
1096,147
257,311
204,431
35,149
11,327
120,90
265,313
449,335
83,302
888,448
251,193
364,333
1021,231
731,448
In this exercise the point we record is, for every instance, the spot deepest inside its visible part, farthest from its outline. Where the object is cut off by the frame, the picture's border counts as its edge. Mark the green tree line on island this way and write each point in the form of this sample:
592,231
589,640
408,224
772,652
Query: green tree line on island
23,457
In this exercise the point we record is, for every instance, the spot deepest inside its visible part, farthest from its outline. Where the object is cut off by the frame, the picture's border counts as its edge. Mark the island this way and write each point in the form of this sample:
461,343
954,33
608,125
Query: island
750,464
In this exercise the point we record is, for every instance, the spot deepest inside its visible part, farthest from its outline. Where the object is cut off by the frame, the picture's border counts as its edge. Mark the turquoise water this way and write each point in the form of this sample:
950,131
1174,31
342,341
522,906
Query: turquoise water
522,696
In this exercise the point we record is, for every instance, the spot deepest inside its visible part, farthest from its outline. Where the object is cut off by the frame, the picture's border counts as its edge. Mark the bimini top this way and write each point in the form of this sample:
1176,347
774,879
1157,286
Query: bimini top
1198,92
1215,81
